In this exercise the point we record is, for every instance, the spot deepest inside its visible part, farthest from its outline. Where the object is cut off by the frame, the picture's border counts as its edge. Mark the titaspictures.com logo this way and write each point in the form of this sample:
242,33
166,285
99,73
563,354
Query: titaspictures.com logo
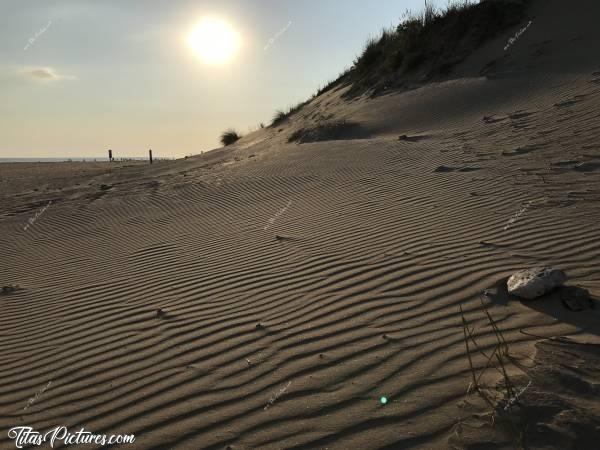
27,436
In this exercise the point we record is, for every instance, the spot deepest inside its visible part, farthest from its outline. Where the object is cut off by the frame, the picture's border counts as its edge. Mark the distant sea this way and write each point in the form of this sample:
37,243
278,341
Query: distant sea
66,159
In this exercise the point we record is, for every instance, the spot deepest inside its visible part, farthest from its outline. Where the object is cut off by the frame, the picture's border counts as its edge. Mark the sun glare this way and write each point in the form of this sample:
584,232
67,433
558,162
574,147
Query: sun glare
214,41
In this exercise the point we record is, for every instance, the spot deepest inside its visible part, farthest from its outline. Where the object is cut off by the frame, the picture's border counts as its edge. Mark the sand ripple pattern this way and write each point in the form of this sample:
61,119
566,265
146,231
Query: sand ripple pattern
374,242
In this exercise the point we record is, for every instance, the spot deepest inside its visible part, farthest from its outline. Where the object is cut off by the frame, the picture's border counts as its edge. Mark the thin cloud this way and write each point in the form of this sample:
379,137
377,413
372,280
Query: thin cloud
44,74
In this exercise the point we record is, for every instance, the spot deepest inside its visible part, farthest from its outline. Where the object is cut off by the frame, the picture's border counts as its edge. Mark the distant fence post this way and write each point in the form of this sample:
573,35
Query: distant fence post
110,158
150,153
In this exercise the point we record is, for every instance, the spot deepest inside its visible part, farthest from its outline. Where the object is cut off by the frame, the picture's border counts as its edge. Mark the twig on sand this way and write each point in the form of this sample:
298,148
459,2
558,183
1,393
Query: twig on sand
464,324
499,354
500,408
499,336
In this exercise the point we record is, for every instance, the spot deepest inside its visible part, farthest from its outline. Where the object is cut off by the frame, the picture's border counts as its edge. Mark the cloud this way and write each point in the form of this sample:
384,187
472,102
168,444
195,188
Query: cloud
44,74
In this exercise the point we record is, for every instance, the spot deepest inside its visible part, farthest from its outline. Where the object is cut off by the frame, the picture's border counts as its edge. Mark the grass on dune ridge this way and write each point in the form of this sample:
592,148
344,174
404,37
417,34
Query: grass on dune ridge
420,48
428,44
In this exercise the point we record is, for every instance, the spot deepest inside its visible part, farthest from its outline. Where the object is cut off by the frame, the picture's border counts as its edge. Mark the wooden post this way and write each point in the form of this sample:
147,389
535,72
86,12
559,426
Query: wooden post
150,152
110,158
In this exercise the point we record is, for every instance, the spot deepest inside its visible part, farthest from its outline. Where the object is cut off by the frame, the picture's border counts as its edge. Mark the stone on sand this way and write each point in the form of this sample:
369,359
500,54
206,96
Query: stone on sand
533,283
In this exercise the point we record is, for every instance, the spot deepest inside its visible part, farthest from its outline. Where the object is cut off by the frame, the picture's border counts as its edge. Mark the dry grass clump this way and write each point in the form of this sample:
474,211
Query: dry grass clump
229,137
283,115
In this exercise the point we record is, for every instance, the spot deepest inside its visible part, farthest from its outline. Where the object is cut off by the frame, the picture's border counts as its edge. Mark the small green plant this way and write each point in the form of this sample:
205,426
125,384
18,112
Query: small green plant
500,353
229,137
336,82
281,115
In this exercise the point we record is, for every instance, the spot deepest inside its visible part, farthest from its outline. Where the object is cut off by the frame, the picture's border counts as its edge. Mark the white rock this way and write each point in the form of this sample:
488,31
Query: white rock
533,283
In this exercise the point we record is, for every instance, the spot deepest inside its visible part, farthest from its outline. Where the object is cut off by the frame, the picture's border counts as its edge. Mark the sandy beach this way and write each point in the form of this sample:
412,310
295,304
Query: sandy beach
267,295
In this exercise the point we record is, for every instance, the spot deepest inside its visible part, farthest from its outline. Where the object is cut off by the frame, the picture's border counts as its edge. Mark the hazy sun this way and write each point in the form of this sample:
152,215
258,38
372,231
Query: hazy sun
214,41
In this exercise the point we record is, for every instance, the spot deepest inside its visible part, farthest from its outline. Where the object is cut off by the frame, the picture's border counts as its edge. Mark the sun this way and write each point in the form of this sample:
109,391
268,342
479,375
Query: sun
214,41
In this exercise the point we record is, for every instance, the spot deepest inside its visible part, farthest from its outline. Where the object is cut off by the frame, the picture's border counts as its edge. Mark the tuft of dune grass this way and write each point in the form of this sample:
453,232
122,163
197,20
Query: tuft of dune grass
281,115
229,137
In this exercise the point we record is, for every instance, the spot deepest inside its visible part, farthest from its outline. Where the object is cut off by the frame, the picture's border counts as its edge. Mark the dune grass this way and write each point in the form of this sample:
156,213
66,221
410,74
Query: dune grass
283,115
432,41
229,137
428,43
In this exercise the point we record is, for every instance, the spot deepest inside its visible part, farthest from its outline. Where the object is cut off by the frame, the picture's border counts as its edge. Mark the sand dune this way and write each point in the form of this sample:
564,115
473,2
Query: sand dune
267,295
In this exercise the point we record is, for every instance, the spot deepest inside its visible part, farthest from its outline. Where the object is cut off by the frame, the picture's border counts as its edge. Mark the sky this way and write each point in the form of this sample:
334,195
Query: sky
78,77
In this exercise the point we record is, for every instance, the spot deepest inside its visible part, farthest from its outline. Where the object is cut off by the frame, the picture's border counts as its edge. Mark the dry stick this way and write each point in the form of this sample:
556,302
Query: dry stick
470,332
499,336
497,332
500,350
464,324
475,385
488,358
487,364
501,343
507,382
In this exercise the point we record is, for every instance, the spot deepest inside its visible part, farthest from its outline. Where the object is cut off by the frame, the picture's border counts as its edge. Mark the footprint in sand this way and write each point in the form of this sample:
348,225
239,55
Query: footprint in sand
415,138
567,103
456,169
523,150
587,166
